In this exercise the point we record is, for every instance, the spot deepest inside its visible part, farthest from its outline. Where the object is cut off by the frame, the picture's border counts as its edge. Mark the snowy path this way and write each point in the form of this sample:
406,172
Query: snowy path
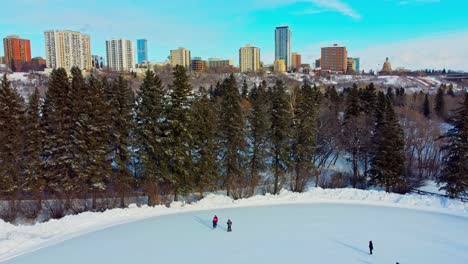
302,233
18,240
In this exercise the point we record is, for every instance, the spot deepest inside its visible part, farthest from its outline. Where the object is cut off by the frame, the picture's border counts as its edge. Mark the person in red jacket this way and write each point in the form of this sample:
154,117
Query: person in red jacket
215,221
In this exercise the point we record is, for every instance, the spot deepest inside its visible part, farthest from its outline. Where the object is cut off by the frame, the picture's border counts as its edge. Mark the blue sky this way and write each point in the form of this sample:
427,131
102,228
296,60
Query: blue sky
413,33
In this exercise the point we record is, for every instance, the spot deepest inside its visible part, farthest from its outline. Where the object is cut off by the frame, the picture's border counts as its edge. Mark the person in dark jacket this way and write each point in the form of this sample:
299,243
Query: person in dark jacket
229,224
371,247
215,221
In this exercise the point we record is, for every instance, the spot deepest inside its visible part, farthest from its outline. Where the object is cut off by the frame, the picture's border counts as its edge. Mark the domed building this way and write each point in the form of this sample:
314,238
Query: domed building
387,66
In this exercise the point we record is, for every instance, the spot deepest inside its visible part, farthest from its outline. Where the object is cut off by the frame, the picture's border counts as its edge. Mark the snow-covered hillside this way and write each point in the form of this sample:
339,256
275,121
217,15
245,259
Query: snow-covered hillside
323,225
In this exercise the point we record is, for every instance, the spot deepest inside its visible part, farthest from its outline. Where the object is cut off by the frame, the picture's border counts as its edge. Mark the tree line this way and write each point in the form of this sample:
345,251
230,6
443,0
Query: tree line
91,138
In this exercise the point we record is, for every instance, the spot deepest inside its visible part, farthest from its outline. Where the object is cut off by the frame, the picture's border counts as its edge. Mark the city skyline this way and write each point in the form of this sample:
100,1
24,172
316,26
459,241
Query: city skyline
371,31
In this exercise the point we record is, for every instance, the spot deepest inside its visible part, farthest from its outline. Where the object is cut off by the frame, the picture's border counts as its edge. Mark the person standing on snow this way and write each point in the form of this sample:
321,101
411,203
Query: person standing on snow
371,247
229,224
215,221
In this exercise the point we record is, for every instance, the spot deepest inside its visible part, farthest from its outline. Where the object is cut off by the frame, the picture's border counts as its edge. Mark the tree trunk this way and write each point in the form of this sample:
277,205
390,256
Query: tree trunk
122,198
317,178
298,175
153,194
39,200
275,191
355,167
93,206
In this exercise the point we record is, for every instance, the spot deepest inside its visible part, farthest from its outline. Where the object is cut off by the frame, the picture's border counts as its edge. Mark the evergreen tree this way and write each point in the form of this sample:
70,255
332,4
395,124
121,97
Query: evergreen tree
245,89
93,132
439,107
120,99
232,138
391,94
150,111
204,142
11,141
280,132
34,182
368,99
454,175
258,127
387,165
304,138
59,160
353,131
353,103
426,107
13,65
78,109
178,136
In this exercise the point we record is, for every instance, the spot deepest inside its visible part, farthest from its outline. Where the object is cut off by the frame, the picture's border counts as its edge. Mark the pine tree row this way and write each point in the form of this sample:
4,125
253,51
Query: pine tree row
89,138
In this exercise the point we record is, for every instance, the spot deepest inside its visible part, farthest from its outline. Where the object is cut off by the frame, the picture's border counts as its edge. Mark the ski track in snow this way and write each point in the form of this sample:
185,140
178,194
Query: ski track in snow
22,239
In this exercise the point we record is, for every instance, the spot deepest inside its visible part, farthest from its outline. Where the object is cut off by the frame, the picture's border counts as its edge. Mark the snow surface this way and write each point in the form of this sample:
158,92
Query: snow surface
324,225
432,187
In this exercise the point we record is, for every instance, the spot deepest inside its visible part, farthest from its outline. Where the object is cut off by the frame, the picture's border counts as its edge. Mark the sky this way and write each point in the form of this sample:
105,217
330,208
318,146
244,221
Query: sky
415,34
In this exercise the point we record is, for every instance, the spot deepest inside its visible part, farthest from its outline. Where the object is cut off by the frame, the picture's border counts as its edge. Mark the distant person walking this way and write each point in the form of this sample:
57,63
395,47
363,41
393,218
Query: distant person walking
229,224
371,247
215,221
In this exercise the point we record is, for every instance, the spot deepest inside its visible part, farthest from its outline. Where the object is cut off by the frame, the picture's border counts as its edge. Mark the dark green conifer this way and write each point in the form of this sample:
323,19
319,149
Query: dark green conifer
454,175
232,137
439,107
11,142
280,133
178,137
258,128
205,145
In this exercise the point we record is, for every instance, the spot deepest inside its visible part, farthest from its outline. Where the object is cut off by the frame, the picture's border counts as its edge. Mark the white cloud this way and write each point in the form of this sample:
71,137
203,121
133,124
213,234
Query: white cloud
338,6
434,52
322,5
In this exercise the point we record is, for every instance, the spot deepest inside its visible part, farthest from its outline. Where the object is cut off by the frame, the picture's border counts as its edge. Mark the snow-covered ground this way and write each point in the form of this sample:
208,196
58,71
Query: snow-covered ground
320,226
432,187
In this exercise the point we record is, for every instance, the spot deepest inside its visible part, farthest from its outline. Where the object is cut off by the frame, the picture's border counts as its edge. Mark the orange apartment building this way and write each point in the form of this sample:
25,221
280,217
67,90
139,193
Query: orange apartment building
17,52
198,65
296,61
334,59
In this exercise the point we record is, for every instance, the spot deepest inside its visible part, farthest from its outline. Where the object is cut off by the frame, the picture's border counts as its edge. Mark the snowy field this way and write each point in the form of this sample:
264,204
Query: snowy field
320,226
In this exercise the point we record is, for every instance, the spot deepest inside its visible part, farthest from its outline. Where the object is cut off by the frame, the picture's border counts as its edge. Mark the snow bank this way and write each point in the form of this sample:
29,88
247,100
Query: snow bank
17,240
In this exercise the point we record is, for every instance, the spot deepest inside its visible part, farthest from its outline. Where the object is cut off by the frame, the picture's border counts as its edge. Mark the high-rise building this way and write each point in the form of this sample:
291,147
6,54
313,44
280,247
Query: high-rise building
198,65
279,66
1,60
97,61
295,61
317,63
17,52
120,55
67,49
283,45
217,63
334,59
180,56
142,50
350,65
356,65
249,58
